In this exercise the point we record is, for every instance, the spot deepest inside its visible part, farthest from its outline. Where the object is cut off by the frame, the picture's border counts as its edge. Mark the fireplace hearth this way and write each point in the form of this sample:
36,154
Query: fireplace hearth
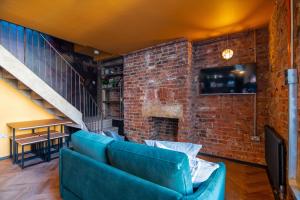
164,128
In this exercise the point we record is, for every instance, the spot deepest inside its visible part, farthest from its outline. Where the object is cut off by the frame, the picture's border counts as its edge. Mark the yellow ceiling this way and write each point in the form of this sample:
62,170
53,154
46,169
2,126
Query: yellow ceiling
120,26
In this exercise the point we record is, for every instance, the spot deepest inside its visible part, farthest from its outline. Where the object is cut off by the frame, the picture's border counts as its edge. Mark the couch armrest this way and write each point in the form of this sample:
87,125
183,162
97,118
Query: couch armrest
213,188
89,179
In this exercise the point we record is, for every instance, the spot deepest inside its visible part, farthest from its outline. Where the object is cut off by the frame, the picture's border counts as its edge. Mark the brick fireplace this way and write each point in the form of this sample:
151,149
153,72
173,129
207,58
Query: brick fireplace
156,89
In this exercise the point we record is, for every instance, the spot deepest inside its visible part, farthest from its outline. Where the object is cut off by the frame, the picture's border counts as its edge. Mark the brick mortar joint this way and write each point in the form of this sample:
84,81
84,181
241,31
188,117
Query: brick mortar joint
179,40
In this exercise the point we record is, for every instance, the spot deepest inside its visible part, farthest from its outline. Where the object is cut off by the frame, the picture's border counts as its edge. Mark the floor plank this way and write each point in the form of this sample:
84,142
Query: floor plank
40,182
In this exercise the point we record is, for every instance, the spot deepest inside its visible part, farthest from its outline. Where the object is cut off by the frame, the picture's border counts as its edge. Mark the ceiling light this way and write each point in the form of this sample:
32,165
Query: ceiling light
96,52
227,53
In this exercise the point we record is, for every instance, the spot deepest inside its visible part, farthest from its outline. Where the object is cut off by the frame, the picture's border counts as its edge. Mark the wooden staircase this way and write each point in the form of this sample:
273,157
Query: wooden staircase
45,76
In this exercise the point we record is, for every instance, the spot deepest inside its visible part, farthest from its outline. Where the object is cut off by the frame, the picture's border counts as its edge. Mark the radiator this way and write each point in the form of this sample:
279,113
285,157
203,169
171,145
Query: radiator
275,158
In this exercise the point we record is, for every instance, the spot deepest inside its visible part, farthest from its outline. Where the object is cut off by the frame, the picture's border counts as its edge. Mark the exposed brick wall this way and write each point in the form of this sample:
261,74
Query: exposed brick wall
279,61
168,74
224,123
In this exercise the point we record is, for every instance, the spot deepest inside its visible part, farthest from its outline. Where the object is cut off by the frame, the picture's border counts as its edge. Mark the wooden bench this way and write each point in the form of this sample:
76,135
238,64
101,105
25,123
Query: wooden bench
36,140
32,135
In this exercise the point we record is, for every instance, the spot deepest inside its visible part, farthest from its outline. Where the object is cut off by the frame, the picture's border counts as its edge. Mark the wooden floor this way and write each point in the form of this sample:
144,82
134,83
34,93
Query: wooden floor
245,182
40,182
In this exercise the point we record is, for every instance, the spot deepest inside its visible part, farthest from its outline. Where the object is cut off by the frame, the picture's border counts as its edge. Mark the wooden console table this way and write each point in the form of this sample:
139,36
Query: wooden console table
26,139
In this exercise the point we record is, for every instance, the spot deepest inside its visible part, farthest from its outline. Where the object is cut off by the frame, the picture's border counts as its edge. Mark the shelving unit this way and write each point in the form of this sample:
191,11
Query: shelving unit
112,89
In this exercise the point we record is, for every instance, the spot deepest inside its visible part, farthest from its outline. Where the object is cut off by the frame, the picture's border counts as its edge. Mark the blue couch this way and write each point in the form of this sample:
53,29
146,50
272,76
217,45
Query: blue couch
99,167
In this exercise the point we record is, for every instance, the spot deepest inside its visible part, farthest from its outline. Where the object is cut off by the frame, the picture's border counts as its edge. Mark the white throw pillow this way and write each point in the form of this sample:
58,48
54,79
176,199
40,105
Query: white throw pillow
200,169
150,143
189,149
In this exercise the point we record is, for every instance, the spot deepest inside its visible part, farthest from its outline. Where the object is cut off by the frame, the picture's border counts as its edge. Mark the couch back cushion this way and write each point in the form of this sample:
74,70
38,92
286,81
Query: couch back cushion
91,144
164,167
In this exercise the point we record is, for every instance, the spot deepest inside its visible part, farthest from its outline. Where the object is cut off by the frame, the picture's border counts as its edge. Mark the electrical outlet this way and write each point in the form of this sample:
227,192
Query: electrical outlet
255,138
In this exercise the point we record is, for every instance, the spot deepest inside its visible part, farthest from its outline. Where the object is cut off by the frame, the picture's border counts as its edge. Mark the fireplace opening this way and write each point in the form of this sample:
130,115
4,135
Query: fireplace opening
164,128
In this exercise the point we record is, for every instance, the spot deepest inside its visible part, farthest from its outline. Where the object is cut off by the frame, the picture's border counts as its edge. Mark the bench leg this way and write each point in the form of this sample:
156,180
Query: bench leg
60,142
17,153
33,148
22,161
57,145
38,149
48,145
10,148
14,146
67,140
44,151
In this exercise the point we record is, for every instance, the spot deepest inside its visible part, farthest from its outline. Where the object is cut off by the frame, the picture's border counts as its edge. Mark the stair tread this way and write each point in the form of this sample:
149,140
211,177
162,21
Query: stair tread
35,96
7,75
22,86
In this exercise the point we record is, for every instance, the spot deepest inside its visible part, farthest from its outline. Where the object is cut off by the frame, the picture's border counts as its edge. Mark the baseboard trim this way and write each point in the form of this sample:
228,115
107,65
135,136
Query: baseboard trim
234,160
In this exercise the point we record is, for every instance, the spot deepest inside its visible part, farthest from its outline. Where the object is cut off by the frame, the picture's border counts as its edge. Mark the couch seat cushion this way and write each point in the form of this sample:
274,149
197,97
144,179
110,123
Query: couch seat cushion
164,167
91,144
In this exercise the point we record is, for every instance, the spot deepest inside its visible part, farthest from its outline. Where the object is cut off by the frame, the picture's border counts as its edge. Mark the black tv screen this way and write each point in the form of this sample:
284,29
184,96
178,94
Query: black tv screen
240,78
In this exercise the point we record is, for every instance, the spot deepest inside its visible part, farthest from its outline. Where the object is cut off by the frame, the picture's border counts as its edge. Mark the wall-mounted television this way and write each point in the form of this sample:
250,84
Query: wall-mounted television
240,78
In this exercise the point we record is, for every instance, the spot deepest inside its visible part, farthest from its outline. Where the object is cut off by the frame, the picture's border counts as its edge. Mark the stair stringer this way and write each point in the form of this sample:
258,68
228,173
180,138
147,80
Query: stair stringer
21,72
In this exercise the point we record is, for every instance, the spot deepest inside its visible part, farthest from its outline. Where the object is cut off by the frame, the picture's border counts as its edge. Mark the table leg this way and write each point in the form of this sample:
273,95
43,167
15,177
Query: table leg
48,141
14,146
10,148
60,143
33,146
57,144
17,153
67,139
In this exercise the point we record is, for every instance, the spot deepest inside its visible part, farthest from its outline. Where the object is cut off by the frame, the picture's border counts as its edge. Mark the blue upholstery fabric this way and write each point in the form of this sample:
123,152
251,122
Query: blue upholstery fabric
91,144
114,135
89,179
163,167
68,195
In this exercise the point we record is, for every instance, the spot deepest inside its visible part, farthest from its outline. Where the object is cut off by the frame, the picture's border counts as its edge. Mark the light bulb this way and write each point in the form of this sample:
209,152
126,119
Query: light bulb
227,54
